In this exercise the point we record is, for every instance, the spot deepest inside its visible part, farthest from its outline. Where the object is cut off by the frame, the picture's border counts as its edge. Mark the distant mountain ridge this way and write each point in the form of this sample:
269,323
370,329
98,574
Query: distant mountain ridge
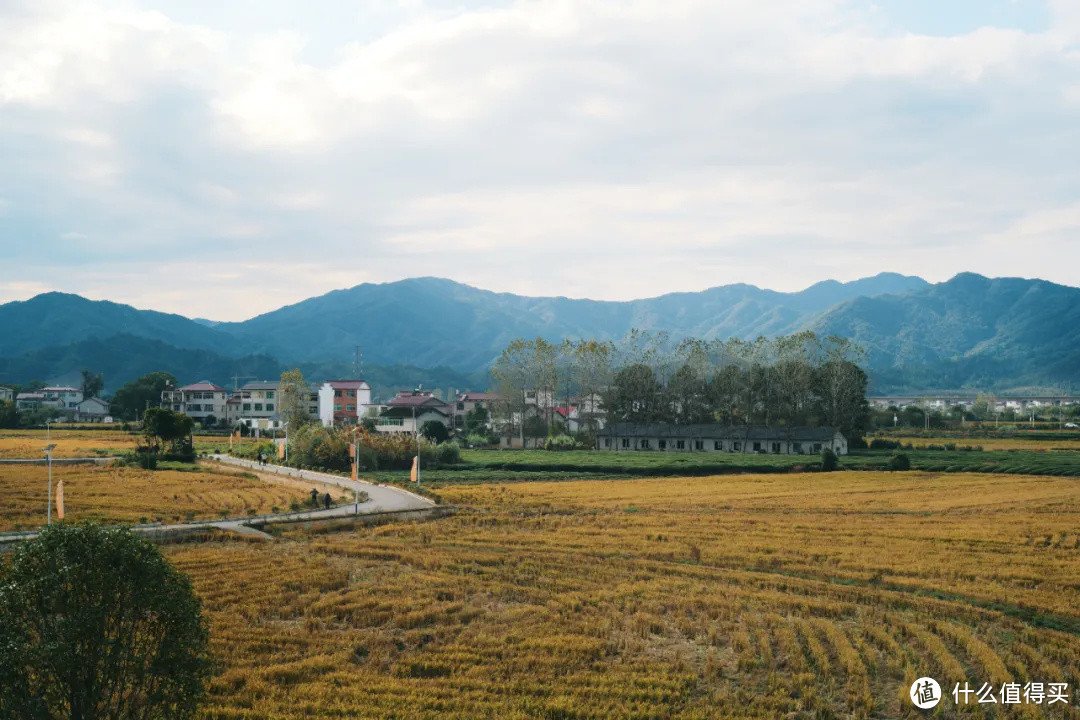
967,331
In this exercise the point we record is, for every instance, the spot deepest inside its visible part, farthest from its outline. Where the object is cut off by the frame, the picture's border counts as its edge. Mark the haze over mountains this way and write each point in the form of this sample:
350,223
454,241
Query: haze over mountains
970,331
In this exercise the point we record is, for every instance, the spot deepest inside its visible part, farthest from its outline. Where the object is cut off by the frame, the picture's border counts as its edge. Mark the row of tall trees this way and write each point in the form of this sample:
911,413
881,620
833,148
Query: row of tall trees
800,379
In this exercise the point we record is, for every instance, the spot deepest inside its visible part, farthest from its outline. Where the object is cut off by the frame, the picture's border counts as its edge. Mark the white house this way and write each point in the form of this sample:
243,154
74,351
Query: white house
343,402
204,402
408,411
92,410
6,394
62,397
256,405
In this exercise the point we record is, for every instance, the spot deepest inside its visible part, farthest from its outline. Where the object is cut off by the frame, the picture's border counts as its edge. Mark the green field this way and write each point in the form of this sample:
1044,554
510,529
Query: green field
514,465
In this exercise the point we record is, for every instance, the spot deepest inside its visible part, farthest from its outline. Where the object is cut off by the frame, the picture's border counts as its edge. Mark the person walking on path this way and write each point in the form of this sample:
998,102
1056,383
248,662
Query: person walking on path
326,500
314,497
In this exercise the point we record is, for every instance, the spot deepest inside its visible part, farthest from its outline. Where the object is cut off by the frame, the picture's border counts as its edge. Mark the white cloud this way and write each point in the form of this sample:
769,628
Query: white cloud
578,147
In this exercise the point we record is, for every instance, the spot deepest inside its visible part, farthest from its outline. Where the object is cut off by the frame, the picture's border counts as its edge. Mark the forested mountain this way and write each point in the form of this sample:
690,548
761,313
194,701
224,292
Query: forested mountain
54,318
971,331
431,321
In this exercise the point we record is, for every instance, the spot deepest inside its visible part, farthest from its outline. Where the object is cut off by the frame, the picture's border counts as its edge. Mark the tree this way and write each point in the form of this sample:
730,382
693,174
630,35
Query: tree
476,420
96,623
9,415
131,399
634,396
162,426
92,384
434,432
293,399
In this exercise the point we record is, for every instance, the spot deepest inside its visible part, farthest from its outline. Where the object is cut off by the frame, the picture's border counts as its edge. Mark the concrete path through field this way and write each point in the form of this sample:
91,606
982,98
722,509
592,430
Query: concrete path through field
384,498
381,499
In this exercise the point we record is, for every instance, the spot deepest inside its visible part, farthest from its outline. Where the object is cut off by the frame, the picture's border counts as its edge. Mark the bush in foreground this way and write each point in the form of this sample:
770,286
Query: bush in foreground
96,623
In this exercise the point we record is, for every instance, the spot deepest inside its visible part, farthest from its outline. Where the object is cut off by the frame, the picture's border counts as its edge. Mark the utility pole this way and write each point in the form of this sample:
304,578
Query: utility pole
358,364
48,508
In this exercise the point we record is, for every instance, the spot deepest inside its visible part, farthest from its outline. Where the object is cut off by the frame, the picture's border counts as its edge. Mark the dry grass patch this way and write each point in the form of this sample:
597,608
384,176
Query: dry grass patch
739,596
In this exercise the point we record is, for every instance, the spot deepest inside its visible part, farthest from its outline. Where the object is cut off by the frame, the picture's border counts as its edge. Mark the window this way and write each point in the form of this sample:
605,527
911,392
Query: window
337,407
269,394
737,446
644,444
258,407
350,408
699,444
247,407
350,393
269,407
607,442
776,447
757,447
680,444
663,444
337,393
461,406
626,442
717,445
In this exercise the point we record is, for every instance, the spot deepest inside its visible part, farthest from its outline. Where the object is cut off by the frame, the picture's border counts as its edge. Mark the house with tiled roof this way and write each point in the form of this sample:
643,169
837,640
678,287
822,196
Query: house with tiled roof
776,440
408,411
204,402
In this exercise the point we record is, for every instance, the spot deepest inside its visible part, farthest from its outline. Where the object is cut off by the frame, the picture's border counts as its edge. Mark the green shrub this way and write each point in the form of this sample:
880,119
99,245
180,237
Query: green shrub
899,462
560,442
448,453
829,461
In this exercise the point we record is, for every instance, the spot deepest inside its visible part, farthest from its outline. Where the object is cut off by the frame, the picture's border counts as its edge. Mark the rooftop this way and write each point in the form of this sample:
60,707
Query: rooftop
204,385
415,400
480,396
348,384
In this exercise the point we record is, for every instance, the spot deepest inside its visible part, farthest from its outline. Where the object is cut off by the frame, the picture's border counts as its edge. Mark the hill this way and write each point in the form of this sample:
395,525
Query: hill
970,331
432,321
55,319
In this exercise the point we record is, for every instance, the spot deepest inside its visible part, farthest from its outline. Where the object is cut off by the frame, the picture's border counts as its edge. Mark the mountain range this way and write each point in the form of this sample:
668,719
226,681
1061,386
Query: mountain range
968,332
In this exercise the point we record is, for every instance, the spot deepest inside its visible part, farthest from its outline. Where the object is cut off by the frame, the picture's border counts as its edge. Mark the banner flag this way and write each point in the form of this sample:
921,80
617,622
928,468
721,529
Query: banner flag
281,449
60,500
415,468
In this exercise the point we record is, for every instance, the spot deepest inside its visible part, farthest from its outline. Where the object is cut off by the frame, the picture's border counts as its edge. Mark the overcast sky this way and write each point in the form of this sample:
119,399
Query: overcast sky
224,159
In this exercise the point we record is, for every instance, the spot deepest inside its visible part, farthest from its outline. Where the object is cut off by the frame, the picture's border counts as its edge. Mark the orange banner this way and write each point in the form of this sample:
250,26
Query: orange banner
354,477
60,500
281,450
415,468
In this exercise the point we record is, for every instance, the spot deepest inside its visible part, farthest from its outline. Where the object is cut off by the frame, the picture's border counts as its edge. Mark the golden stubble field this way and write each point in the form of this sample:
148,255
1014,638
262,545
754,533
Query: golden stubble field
128,495
83,442
817,596
1017,443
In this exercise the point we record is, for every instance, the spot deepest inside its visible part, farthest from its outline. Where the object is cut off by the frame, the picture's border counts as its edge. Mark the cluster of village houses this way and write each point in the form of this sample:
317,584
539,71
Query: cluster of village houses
348,402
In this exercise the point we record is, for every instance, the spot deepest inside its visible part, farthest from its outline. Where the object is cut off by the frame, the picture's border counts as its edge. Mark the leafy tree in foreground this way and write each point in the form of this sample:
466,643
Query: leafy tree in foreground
95,623
293,400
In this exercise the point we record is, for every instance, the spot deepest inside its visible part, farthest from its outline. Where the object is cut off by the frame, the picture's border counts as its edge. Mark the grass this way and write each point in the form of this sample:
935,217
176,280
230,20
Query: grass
116,495
777,595
481,466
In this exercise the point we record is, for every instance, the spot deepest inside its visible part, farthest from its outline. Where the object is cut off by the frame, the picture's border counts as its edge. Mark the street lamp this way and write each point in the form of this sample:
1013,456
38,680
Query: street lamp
48,508
286,426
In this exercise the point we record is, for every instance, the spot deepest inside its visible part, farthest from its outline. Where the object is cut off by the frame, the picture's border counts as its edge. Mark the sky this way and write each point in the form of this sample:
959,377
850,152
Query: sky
221,160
